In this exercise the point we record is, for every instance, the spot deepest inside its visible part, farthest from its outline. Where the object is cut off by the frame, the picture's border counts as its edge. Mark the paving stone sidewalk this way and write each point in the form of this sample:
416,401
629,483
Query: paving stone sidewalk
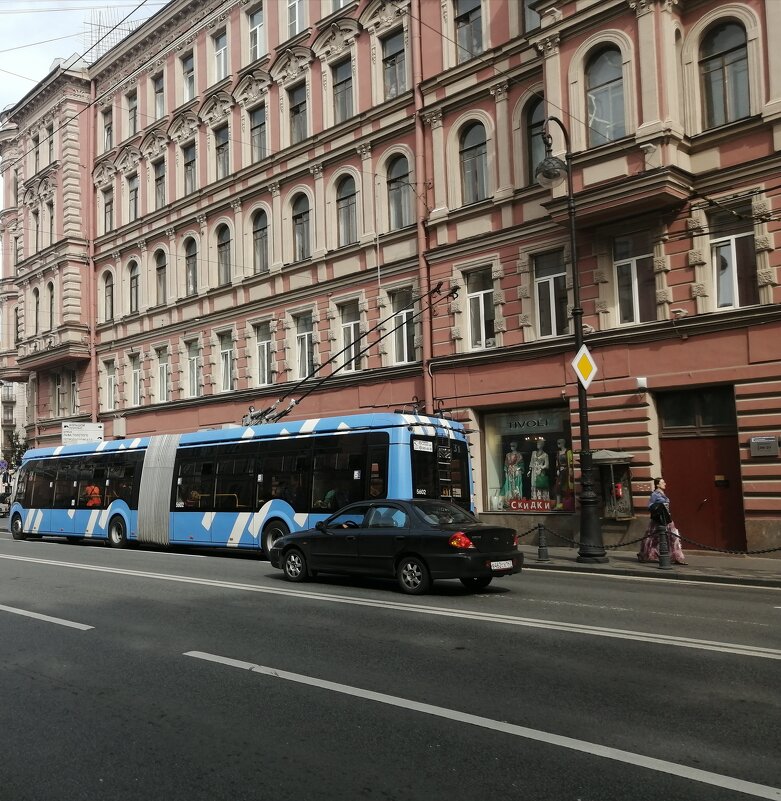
701,566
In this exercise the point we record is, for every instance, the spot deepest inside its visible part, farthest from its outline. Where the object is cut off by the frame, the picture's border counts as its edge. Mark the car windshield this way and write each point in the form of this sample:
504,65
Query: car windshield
442,512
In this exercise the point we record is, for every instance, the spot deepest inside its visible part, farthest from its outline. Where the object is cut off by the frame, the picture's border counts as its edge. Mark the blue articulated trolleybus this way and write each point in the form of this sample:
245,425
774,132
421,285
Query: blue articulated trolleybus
239,487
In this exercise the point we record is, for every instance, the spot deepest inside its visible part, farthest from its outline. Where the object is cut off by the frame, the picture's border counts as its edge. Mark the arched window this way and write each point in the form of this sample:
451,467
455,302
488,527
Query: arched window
190,267
535,146
161,277
260,242
605,97
223,255
345,211
36,311
50,290
474,163
108,297
399,194
133,275
301,243
724,75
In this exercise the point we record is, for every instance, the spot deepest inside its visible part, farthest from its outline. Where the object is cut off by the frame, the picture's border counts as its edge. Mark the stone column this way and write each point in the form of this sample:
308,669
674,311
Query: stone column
434,119
319,247
368,233
502,170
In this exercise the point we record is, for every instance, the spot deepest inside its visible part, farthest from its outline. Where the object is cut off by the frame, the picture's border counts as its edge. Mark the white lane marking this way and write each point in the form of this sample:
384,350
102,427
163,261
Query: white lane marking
46,618
573,744
510,620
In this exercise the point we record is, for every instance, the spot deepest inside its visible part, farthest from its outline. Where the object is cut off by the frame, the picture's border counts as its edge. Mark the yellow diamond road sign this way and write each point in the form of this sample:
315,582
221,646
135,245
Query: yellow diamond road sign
584,366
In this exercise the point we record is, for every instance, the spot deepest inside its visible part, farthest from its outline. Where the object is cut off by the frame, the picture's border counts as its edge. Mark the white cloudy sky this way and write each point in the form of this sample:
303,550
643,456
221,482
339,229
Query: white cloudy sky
35,32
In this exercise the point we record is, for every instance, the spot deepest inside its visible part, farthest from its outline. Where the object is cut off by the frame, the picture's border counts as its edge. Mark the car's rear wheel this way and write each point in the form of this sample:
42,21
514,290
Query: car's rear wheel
17,528
413,576
271,533
477,583
117,535
294,565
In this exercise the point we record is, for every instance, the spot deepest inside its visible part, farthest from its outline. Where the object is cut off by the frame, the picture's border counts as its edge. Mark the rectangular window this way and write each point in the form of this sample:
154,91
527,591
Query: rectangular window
403,327
132,197
132,113
50,216
193,370
480,297
222,152
305,345
36,232
135,379
163,387
351,335
158,89
531,17
220,56
226,362
36,154
188,158
257,130
469,29
50,142
343,91
263,339
295,17
159,167
73,399
550,281
108,131
111,385
257,41
59,406
297,97
188,77
108,210
734,259
394,67
635,282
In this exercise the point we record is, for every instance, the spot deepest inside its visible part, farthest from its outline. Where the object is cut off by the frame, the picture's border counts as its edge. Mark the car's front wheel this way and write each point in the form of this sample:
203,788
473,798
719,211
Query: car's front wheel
477,583
271,533
413,576
17,528
294,565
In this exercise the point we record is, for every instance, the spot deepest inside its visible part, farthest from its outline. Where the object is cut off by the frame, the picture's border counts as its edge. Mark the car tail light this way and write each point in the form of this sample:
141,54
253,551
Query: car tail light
460,540
515,540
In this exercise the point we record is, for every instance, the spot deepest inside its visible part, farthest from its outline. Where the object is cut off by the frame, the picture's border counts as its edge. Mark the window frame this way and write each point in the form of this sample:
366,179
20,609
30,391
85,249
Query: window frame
482,301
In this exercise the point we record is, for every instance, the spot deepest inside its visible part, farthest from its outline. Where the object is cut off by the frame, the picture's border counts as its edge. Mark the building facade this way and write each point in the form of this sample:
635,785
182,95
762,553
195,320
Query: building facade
238,192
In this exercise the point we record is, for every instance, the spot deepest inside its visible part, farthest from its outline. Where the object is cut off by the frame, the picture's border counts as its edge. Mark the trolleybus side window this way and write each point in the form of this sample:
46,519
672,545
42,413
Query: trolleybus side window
235,479
66,485
41,485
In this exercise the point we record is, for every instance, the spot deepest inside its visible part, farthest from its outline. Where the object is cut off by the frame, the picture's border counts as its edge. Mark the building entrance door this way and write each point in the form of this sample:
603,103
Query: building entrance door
701,464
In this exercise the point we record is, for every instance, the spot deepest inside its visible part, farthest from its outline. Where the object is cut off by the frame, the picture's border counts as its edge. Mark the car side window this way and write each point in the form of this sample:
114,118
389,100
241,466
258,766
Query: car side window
387,517
353,517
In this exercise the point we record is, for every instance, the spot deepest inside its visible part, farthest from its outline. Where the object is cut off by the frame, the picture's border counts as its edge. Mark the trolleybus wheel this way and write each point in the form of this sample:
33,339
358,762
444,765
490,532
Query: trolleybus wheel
271,532
117,536
17,529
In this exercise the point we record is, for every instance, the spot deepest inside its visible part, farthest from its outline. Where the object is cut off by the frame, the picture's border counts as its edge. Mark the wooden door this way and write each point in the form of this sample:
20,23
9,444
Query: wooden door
704,485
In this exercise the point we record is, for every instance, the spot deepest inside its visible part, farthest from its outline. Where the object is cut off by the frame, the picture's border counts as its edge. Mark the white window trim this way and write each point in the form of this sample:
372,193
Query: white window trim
455,190
379,26
528,321
449,41
577,87
332,231
459,307
692,95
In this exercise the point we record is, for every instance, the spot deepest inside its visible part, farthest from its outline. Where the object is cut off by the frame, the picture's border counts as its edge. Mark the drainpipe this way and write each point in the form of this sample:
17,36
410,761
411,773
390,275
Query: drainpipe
90,233
420,202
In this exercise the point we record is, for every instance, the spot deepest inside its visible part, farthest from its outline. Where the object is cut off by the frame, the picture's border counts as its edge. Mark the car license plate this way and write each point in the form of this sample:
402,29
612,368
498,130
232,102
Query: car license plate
505,564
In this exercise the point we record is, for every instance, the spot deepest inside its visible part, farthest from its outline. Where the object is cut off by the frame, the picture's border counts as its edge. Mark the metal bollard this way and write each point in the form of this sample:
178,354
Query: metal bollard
542,544
664,548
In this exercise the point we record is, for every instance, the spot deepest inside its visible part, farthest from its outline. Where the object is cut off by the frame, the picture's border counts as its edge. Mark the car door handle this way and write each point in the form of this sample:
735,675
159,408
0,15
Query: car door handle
399,537
351,538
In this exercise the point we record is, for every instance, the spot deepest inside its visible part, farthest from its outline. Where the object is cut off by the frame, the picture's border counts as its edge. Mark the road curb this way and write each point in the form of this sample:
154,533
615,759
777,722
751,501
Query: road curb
659,574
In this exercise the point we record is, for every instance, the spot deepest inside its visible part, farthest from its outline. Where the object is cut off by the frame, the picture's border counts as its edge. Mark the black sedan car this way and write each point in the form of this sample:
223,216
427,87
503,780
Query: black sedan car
415,541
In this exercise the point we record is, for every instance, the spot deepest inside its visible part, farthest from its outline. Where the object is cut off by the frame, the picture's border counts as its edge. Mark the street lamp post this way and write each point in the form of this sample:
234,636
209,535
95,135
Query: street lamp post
551,172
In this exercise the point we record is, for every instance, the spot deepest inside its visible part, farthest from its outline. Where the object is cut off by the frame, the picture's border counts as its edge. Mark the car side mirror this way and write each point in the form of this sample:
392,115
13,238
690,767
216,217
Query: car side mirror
320,526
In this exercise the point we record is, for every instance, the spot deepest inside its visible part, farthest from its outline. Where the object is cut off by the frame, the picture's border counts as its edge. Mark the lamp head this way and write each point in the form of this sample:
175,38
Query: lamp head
551,171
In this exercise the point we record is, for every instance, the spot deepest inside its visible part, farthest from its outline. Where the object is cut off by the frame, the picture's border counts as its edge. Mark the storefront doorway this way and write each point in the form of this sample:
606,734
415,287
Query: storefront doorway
701,464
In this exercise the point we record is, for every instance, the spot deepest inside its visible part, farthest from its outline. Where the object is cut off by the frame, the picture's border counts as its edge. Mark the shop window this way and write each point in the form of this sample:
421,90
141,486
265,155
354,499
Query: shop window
529,461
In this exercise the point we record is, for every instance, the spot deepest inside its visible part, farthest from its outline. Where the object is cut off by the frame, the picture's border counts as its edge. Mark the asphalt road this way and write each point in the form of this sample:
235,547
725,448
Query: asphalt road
150,674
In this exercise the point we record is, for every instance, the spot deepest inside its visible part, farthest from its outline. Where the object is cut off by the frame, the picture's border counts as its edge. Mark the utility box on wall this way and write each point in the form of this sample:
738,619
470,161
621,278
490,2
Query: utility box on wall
615,483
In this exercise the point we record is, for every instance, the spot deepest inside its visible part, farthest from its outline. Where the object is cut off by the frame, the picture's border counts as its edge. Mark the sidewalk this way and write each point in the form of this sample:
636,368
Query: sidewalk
702,566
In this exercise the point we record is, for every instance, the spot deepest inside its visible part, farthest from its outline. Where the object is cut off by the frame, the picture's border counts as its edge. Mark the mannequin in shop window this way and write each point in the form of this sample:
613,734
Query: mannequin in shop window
512,489
565,476
538,472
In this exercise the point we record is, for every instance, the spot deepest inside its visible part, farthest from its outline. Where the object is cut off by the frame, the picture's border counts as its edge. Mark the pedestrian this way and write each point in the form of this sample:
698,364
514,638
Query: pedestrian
659,506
